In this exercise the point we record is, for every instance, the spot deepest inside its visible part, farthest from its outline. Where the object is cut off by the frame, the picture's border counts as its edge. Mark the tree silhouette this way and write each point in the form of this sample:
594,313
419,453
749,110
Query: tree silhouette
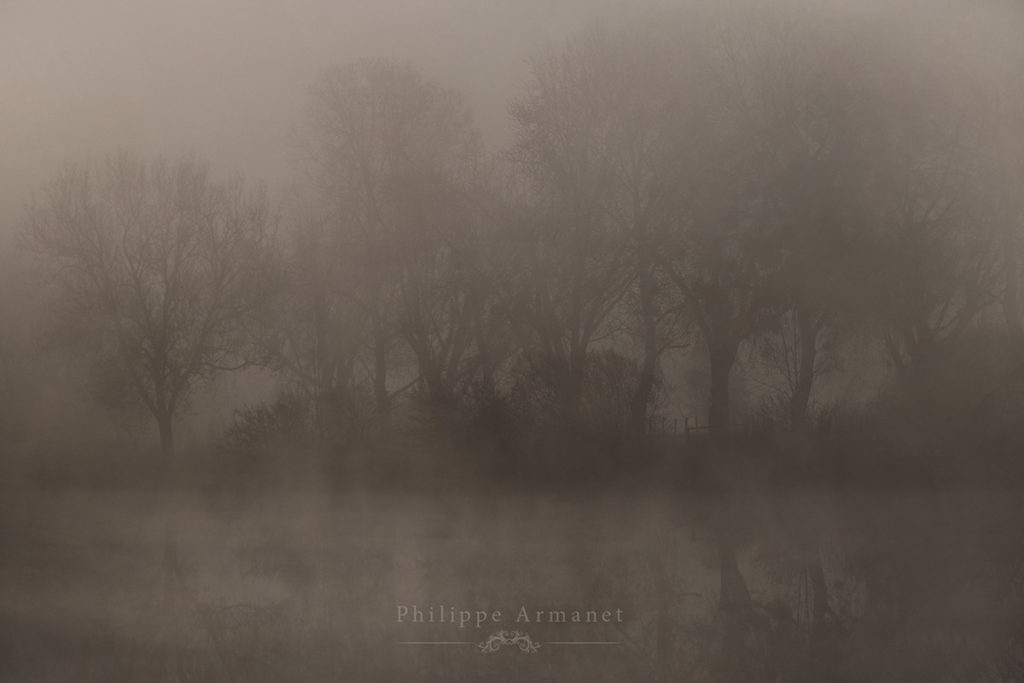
162,264
165,270
572,267
386,148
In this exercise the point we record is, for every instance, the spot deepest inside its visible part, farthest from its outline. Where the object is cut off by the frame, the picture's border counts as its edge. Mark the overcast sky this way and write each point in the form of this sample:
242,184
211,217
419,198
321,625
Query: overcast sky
227,78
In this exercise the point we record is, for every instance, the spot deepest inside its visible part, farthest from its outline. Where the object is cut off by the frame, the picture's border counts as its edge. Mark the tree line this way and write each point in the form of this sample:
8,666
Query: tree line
763,189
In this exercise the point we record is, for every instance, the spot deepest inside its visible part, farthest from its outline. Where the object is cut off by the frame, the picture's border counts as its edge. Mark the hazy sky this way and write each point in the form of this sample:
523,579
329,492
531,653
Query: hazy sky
227,78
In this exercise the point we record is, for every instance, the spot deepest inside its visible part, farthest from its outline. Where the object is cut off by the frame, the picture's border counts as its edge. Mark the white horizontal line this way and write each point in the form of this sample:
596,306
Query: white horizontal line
466,642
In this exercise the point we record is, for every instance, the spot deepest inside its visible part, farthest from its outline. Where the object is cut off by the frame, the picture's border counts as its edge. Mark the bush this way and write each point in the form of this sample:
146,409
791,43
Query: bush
266,446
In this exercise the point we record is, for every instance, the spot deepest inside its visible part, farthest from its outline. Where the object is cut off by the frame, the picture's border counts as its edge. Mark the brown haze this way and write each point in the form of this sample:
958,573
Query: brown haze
705,314
229,77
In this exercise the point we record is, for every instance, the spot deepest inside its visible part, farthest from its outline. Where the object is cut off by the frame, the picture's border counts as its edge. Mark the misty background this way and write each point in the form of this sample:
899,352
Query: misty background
230,78
705,311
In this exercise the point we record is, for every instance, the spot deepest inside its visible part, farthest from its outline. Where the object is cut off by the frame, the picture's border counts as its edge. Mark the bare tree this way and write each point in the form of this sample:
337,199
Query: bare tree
574,261
446,290
936,248
163,263
768,194
812,127
632,126
385,148
165,270
317,330
721,255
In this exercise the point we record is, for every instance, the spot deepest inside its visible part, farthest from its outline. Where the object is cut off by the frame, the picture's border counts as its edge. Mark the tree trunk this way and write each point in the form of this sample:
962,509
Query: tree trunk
821,611
826,628
736,612
572,393
807,332
169,562
487,384
645,385
734,595
722,356
165,425
380,364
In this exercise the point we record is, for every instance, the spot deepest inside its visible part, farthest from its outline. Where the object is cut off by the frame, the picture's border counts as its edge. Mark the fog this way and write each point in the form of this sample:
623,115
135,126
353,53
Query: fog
228,78
539,340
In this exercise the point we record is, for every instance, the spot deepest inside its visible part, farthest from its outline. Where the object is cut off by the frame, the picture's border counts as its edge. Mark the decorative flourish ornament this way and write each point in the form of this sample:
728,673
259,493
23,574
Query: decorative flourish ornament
518,639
